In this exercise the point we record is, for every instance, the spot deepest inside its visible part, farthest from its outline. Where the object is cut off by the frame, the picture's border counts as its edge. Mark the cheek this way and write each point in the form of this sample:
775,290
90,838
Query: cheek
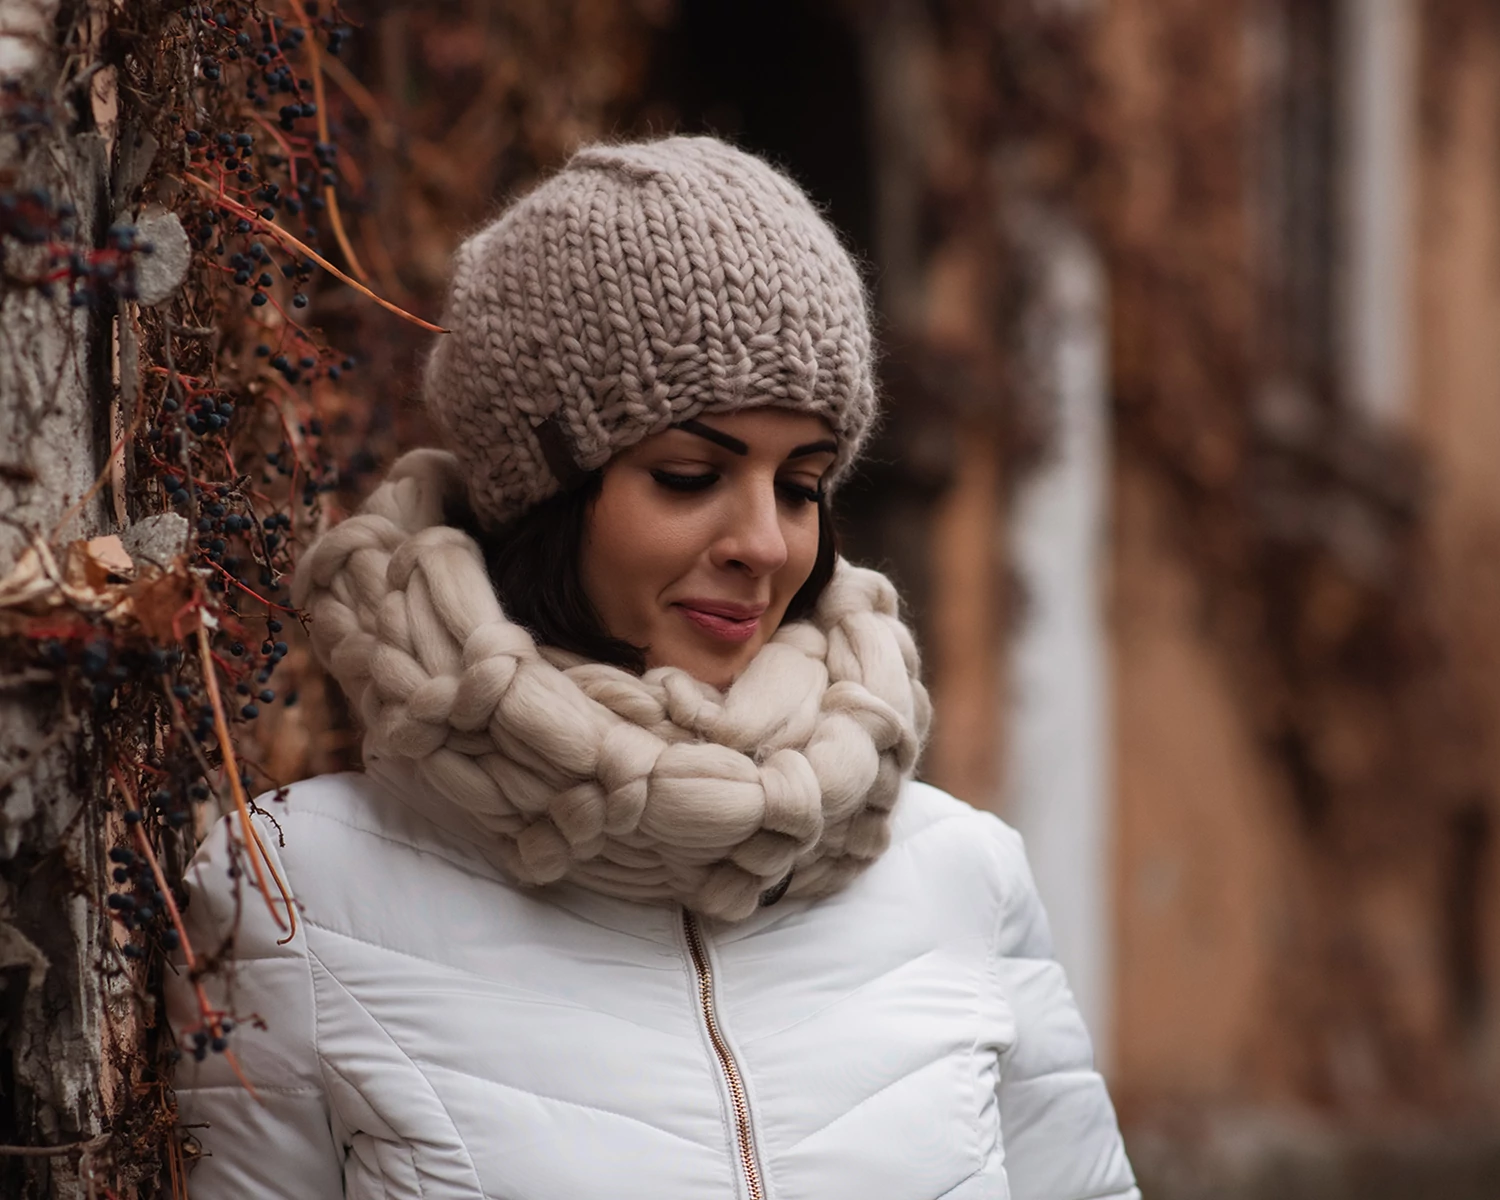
635,545
802,553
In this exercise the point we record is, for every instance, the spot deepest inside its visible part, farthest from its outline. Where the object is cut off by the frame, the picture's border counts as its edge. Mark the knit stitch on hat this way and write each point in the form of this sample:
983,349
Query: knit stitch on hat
640,286
651,787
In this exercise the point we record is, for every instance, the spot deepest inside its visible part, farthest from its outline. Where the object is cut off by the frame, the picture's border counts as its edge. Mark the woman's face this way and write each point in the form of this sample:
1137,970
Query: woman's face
700,537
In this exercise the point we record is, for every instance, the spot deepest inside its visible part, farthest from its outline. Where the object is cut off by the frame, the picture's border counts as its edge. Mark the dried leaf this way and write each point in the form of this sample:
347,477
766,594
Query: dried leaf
98,579
91,564
29,580
159,597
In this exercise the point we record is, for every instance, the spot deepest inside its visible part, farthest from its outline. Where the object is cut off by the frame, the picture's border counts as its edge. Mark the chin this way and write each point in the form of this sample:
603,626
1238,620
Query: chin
706,668
715,674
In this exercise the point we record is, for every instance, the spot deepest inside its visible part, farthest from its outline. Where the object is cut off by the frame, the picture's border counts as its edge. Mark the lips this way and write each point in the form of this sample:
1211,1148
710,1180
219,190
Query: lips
722,620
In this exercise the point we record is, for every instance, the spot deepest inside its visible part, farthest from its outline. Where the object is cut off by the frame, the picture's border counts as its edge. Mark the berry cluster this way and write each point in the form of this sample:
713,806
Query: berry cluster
140,905
107,665
24,117
39,222
236,33
269,658
204,1040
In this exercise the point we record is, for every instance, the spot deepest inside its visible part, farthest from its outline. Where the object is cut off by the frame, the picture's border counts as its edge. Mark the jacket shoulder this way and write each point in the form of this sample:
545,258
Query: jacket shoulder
343,833
928,820
971,860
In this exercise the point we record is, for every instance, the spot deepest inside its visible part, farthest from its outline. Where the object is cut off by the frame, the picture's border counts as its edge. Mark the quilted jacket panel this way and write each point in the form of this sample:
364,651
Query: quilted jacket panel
434,1031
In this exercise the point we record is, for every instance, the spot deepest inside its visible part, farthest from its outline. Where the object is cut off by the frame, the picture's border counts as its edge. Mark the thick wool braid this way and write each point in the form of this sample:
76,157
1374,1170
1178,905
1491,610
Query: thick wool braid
640,286
654,787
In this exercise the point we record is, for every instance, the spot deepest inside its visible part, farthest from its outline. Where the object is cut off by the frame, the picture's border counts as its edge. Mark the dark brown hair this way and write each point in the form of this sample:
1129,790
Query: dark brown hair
534,561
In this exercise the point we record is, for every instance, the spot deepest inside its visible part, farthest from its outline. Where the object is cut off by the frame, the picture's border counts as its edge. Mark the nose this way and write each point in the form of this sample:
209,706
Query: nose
752,539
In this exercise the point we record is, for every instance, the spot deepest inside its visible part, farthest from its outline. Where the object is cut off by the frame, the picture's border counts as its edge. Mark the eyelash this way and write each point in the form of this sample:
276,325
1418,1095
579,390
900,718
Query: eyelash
794,492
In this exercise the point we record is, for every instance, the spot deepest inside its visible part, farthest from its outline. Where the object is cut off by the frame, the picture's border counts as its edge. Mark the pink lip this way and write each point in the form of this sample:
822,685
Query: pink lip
723,620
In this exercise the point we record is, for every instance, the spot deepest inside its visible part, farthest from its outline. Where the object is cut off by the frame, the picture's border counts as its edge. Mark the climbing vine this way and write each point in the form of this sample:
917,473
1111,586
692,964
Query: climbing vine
170,639
273,228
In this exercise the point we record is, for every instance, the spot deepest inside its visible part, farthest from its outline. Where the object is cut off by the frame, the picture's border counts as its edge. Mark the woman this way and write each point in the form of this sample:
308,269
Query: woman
635,896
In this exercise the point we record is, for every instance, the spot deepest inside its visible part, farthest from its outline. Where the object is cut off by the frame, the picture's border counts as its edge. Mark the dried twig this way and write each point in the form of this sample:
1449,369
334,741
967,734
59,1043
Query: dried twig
259,861
330,193
143,848
286,239
384,127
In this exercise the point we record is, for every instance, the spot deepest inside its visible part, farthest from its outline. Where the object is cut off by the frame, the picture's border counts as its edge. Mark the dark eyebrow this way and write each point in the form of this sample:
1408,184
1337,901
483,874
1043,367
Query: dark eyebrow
732,444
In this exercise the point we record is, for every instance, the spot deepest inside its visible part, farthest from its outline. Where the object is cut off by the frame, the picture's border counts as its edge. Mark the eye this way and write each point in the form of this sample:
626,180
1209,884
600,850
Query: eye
685,483
799,494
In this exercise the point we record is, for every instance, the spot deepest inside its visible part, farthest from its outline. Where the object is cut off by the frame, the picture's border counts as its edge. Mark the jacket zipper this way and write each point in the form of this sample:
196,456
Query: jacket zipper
737,1096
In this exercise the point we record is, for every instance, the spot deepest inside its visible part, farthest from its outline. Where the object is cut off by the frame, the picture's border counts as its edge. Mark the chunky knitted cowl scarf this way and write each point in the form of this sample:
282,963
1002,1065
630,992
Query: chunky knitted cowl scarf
650,787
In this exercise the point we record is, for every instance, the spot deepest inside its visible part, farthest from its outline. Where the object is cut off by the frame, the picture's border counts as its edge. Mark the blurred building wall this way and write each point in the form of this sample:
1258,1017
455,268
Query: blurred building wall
1306,288
1455,417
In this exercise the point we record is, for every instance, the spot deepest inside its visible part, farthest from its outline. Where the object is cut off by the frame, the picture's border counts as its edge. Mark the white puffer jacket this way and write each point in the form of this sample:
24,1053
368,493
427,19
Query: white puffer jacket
434,1031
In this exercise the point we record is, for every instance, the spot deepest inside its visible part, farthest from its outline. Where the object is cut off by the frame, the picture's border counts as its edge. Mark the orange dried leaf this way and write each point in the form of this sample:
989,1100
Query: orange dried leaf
88,566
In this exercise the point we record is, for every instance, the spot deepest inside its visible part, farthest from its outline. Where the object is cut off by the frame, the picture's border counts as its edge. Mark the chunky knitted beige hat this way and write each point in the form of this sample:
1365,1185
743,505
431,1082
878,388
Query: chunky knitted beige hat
641,285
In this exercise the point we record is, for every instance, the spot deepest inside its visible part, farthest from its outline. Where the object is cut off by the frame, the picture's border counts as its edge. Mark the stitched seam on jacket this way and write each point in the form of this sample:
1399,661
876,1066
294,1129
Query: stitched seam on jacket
937,824
855,1107
406,1152
323,1065
961,1183
497,879
426,852
597,924
538,997
734,933
457,1137
1057,1073
843,996
1002,910
1005,901
608,1112
411,1155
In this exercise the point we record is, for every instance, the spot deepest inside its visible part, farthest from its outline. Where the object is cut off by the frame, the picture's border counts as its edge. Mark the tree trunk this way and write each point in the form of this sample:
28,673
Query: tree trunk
55,394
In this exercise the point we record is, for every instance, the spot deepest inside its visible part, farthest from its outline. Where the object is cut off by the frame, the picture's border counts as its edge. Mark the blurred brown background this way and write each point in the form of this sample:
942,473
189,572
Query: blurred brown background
1189,321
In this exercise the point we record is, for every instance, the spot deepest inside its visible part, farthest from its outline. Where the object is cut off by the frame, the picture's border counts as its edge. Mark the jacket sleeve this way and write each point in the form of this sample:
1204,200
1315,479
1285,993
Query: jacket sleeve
278,1142
1062,1141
